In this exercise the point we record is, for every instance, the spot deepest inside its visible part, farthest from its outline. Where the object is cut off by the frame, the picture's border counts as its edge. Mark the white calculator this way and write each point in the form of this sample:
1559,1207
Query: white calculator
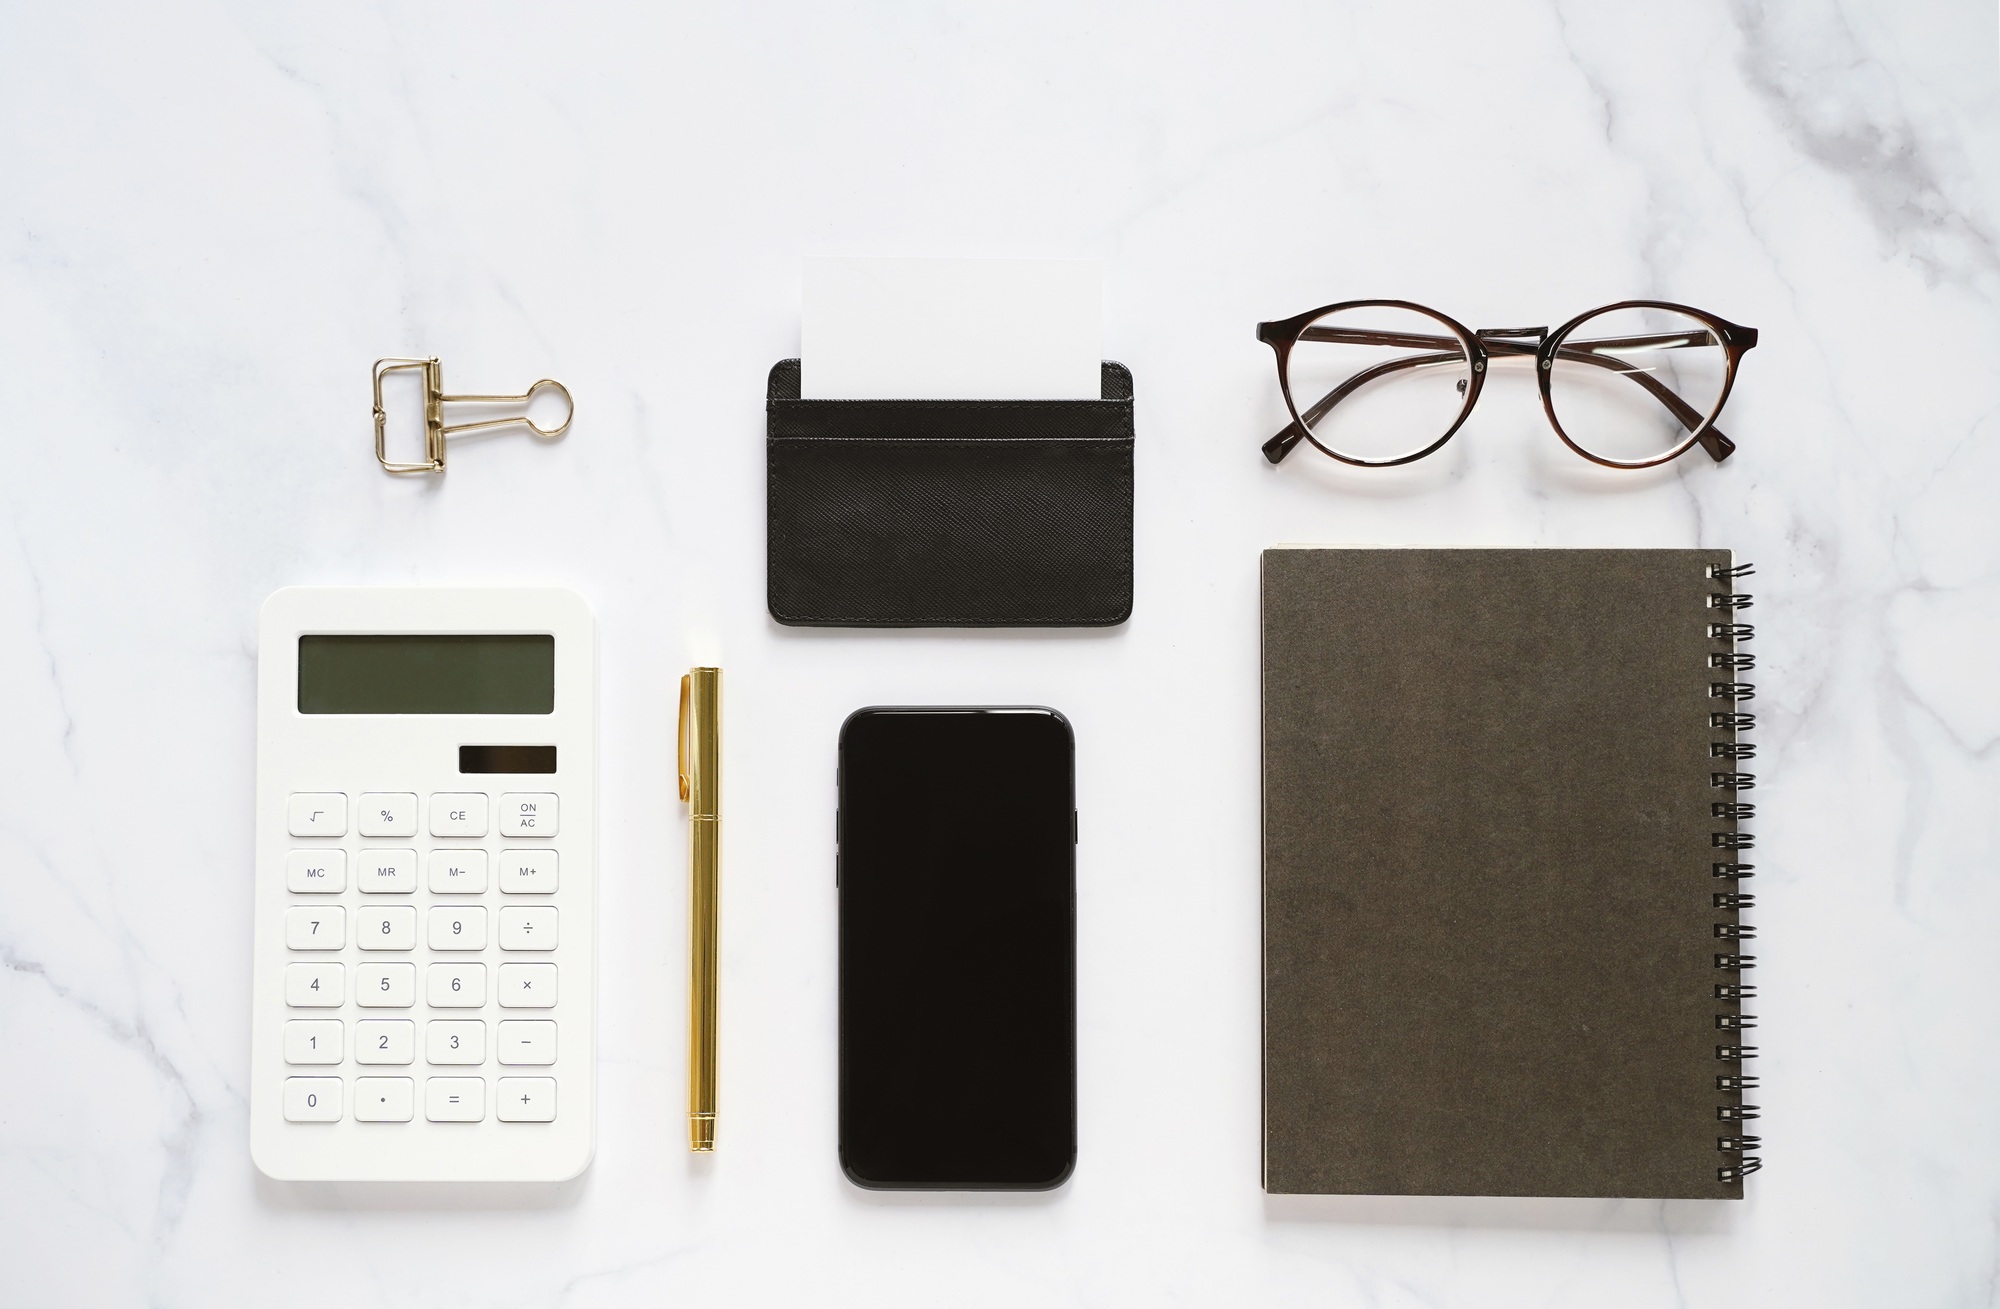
424,983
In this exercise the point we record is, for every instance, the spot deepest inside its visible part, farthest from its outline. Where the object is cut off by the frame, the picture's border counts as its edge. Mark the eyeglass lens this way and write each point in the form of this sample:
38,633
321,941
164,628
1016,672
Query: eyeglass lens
1378,384
1632,386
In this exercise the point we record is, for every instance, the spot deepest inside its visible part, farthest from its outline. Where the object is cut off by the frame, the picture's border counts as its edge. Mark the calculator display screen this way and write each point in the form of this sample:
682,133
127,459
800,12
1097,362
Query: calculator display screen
382,674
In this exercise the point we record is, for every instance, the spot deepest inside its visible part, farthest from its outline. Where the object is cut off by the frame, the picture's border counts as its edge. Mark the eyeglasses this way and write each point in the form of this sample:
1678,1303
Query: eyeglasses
1384,382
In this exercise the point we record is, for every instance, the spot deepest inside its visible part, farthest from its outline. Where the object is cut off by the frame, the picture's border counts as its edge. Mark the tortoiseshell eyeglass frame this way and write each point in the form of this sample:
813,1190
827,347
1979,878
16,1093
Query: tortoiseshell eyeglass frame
1478,348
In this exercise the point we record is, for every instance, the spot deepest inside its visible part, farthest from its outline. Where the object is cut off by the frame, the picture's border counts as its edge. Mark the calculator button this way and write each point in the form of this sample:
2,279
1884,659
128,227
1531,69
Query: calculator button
316,927
528,814
385,986
391,872
528,927
394,928
527,986
455,1099
311,872
458,872
312,1041
384,1099
457,986
312,1099
528,1041
458,927
313,986
388,813
455,1041
526,1100
385,1041
317,813
528,872
456,813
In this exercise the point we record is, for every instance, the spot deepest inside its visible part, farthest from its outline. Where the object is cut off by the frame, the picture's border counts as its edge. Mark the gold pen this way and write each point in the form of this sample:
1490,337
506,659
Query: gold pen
701,788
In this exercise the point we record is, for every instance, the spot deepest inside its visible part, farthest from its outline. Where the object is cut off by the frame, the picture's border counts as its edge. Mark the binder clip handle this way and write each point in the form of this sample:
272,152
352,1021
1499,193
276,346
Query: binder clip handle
435,429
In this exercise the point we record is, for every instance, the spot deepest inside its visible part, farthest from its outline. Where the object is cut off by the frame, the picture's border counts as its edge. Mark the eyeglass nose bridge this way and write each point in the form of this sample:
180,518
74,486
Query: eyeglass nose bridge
1513,342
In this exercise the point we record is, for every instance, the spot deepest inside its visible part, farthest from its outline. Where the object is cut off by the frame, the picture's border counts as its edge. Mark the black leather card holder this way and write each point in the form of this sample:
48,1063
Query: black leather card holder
949,513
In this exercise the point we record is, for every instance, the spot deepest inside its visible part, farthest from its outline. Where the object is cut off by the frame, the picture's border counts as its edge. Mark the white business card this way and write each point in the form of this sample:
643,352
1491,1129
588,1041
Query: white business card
951,329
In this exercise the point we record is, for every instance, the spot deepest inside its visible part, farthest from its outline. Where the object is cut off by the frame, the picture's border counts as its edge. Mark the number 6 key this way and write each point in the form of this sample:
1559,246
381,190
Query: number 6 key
456,986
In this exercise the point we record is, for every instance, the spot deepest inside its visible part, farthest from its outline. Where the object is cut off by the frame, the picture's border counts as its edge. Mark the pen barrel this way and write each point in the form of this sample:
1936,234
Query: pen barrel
704,862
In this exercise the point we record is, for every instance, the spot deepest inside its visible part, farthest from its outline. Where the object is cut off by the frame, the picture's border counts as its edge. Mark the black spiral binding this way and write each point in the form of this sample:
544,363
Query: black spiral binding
1728,754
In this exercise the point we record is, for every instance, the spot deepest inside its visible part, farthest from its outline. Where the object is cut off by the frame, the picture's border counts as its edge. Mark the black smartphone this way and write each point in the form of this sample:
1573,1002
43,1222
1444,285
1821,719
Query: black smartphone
957,877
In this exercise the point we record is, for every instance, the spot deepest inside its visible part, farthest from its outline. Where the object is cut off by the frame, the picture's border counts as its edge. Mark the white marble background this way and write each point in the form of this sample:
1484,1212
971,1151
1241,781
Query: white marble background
214,216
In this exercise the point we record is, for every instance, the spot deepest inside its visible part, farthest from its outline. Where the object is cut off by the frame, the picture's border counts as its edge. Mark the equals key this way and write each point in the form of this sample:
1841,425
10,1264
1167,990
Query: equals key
455,1099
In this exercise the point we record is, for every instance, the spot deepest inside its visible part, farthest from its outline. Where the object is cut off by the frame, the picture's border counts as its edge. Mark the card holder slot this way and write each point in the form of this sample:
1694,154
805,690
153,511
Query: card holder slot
949,513
1114,381
963,420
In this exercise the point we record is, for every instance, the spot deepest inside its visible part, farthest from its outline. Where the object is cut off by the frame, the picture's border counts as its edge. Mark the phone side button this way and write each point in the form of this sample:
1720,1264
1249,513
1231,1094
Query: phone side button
1073,826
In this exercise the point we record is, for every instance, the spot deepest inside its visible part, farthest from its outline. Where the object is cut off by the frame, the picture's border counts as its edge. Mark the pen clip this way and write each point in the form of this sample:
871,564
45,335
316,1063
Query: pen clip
684,738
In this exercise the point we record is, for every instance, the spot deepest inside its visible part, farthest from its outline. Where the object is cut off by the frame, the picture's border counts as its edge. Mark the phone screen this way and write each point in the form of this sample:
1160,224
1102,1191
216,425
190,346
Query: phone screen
957,949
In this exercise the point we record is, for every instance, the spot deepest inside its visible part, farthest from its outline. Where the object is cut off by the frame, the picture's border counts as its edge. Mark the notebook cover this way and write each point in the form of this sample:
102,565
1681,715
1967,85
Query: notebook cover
1490,934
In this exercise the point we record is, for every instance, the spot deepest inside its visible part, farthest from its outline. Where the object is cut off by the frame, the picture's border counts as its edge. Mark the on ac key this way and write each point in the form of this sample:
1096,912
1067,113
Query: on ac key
531,813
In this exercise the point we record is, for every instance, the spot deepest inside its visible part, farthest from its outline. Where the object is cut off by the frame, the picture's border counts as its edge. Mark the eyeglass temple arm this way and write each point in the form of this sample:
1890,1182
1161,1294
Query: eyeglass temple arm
1712,440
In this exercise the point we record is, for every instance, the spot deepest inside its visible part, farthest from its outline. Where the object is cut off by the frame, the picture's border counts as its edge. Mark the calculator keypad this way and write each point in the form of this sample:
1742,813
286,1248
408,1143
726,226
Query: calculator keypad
396,893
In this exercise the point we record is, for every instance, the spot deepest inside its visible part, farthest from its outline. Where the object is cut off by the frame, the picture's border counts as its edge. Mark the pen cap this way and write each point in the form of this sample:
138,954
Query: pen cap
701,742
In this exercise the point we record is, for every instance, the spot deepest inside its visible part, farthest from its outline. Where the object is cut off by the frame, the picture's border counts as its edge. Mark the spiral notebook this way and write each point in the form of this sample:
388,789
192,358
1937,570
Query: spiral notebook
1504,865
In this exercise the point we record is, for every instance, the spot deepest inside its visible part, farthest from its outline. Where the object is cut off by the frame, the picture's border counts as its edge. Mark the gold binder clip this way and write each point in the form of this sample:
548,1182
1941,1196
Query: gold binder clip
435,400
